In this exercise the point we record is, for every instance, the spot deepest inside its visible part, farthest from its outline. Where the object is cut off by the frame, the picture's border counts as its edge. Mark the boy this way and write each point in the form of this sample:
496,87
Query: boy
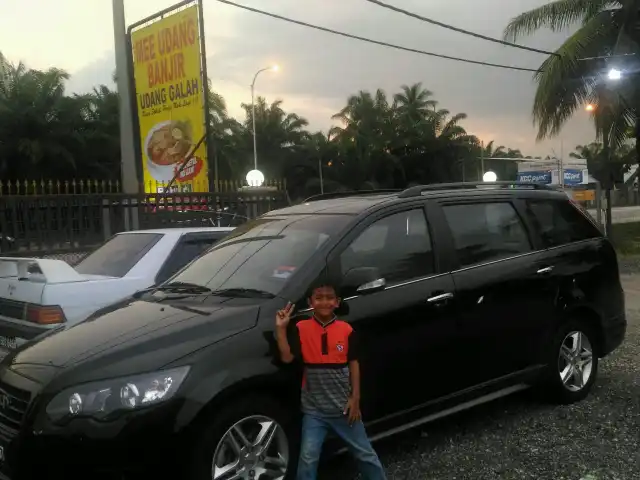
330,395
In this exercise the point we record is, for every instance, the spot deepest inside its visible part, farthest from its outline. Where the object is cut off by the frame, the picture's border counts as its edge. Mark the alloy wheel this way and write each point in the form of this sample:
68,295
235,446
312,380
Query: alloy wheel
254,448
575,361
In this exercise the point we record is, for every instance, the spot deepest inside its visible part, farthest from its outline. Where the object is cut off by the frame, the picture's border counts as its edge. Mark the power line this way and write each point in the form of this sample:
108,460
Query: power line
459,30
377,42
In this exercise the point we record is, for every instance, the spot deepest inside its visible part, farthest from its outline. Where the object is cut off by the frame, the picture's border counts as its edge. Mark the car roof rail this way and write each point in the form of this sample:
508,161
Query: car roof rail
350,193
417,190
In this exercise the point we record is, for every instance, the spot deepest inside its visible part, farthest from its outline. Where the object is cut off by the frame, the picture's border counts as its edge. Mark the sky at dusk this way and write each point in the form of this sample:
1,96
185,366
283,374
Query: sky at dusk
318,70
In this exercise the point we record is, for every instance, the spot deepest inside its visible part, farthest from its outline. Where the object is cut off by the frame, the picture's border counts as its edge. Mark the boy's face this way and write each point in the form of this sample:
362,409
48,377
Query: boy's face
324,301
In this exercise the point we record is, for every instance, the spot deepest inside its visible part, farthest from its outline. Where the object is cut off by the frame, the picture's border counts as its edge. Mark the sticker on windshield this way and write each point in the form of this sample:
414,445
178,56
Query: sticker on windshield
283,272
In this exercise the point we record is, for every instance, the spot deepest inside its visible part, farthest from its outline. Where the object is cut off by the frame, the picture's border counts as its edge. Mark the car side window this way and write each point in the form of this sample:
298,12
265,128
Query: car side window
560,223
398,245
484,232
188,248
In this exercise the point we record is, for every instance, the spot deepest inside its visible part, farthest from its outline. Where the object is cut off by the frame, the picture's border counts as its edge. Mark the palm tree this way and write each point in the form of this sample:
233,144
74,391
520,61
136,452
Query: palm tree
43,125
278,134
101,133
414,104
368,129
603,161
4,68
504,169
451,143
567,81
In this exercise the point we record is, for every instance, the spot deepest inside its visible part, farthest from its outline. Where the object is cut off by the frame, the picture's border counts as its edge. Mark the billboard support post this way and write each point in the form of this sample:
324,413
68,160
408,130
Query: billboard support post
130,183
207,112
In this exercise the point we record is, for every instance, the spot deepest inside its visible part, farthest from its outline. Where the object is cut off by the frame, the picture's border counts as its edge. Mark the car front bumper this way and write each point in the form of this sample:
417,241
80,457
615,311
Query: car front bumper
138,443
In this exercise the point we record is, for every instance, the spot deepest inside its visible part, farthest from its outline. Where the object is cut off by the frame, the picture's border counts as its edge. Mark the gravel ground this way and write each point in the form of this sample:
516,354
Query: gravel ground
519,438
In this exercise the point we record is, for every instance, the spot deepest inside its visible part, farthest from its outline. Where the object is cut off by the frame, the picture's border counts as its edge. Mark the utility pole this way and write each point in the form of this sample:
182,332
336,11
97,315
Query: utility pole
481,161
129,182
561,169
128,159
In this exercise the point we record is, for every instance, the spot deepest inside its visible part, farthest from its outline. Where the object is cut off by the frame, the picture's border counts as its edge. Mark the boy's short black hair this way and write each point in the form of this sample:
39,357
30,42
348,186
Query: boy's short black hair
323,282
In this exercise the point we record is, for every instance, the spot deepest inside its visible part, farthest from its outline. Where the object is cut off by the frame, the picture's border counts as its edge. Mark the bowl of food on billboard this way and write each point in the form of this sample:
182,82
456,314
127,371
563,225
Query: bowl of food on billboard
166,146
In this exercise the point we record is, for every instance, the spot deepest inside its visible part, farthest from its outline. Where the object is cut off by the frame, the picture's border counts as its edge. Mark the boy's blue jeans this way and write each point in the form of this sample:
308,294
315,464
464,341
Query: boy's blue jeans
314,432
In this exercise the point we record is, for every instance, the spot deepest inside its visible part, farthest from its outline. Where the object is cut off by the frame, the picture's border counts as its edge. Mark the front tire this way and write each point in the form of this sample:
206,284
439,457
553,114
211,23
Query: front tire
252,439
572,364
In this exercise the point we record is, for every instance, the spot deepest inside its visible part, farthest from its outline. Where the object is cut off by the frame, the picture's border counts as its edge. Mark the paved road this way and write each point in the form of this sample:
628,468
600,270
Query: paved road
518,438
622,214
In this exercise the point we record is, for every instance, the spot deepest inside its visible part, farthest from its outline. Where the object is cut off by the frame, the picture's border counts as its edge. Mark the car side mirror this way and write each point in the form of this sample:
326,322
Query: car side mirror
362,281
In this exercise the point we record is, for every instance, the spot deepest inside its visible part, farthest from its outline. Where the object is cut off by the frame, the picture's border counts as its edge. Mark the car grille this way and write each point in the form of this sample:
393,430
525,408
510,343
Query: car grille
13,406
12,308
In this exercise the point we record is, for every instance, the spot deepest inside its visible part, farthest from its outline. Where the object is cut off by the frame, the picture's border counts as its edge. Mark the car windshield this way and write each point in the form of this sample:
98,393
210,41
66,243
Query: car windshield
261,255
118,255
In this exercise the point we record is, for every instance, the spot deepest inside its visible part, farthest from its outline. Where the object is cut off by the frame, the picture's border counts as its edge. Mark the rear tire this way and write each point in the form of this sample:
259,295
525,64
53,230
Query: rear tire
572,363
247,437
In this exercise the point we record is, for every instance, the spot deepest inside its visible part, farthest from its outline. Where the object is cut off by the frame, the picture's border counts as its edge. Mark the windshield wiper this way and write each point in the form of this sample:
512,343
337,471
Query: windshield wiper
185,287
243,293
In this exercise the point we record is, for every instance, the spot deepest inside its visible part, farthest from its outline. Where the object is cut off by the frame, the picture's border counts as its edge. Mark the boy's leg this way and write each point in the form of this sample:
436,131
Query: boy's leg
360,447
314,431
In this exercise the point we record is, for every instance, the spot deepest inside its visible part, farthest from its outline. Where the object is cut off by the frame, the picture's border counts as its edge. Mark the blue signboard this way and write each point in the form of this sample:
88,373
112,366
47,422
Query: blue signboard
535,177
572,177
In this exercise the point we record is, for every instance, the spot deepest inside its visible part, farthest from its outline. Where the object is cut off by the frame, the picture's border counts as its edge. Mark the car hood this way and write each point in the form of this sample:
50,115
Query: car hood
140,334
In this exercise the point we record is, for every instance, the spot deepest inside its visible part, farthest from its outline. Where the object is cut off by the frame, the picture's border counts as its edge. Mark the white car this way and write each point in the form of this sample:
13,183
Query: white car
37,295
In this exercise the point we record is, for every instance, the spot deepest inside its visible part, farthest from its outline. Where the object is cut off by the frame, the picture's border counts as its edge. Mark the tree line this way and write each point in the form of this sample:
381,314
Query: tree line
381,141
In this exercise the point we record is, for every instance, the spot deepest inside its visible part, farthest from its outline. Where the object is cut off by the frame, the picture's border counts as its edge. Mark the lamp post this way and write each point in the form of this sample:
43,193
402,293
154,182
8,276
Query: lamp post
273,68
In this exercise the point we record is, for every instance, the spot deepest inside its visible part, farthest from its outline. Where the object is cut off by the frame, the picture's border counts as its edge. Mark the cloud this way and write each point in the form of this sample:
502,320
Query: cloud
98,72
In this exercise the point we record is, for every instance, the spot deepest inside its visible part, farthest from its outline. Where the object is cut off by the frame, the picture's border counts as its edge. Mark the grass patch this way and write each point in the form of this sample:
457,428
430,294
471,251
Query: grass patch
626,238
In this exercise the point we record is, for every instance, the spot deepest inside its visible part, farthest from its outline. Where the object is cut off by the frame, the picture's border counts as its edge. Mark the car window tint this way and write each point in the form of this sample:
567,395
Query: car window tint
483,232
187,250
398,245
118,255
560,223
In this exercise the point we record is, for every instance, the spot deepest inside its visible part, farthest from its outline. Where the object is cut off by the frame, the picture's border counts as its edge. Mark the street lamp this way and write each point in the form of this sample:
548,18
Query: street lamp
273,68
255,178
614,74
489,176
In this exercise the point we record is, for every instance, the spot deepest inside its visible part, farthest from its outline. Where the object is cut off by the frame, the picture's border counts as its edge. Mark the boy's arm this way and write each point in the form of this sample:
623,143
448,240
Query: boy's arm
354,373
288,343
353,354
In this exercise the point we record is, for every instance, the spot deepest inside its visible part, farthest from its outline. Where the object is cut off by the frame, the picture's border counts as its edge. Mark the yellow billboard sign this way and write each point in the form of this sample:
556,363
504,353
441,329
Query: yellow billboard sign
170,102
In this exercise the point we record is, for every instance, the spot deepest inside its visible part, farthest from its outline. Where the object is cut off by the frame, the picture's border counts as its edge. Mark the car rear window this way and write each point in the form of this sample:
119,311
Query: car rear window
485,232
118,255
559,222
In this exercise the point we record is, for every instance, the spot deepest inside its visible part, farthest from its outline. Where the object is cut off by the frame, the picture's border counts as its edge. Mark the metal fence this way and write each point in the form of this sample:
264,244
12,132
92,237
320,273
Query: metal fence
84,187
62,223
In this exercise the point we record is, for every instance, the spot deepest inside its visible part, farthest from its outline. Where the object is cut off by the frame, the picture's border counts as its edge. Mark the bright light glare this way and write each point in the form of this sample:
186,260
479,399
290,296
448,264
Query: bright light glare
255,178
589,107
275,68
489,177
614,74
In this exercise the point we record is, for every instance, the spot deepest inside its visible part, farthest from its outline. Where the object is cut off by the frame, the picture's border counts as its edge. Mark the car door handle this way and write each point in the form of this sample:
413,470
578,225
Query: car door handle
544,270
440,298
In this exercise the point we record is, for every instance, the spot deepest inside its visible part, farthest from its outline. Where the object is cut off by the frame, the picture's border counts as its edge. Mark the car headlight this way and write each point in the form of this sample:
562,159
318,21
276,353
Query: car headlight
104,398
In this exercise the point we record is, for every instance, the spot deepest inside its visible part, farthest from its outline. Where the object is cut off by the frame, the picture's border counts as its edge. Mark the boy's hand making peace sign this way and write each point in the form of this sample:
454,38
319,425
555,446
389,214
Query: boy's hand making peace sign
284,316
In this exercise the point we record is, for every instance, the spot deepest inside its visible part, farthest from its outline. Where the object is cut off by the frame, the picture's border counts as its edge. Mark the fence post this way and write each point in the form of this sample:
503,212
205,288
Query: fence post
106,218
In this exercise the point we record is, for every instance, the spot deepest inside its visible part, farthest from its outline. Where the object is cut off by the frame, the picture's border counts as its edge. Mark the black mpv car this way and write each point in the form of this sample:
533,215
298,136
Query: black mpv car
461,293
